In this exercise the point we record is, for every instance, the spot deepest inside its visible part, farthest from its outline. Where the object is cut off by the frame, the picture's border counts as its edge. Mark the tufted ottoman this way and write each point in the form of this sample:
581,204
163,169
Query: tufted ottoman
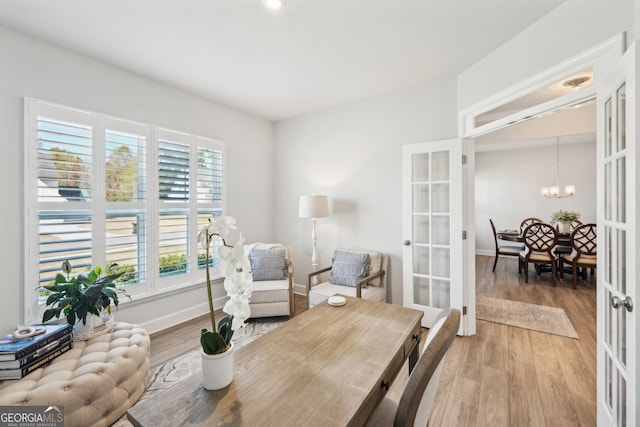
96,381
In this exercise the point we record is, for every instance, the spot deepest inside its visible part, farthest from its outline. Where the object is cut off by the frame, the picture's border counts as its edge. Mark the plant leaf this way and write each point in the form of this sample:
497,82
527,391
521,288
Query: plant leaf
50,314
224,328
212,342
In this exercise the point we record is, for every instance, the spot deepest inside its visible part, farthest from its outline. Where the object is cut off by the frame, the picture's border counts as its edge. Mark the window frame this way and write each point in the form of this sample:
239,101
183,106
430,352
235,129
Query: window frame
151,206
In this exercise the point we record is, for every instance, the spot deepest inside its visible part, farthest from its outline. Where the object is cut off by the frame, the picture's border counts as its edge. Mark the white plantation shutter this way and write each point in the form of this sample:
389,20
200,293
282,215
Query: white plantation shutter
125,183
64,160
173,172
210,190
102,190
64,192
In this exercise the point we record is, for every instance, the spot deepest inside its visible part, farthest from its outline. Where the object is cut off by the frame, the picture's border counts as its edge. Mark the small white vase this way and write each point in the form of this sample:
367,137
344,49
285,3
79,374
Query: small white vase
217,369
95,326
564,227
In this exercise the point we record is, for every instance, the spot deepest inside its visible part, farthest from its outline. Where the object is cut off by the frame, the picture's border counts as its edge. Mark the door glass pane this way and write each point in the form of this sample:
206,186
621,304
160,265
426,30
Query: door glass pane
622,261
420,229
420,198
621,348
421,290
420,259
607,321
441,262
621,189
607,192
441,293
609,382
440,198
621,97
608,247
441,234
440,166
420,171
607,128
622,401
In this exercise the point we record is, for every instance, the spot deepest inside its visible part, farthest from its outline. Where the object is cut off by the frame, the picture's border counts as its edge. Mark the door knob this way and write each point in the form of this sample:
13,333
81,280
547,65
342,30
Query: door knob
406,242
627,303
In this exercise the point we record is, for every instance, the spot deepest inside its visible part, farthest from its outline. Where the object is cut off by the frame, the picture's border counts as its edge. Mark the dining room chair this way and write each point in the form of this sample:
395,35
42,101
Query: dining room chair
527,222
584,251
503,247
540,240
414,404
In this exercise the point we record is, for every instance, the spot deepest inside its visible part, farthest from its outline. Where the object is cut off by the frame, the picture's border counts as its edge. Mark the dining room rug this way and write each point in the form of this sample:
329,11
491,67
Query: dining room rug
552,320
171,372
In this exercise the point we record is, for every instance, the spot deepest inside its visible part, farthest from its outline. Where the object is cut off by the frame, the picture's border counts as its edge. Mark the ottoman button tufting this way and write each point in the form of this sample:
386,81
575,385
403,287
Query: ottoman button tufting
75,365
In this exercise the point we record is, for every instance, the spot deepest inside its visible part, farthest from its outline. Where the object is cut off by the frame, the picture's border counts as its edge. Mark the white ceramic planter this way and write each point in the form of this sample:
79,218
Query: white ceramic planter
95,326
564,227
217,369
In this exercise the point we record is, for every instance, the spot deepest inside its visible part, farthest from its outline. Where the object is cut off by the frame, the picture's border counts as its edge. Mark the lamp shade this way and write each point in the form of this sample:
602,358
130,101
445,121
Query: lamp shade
313,206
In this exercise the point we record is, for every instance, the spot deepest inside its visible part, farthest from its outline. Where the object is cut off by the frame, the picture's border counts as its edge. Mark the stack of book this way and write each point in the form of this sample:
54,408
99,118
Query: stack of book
21,357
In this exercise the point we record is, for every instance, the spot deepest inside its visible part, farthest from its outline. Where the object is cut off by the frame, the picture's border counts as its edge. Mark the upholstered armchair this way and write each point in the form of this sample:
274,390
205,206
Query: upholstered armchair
272,271
356,273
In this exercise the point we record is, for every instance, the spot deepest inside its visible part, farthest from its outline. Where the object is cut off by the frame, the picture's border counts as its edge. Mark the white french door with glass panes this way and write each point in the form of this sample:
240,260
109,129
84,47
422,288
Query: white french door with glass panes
432,196
618,256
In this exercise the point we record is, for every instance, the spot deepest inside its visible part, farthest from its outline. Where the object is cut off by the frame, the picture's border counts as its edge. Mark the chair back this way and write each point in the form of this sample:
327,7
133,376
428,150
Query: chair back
417,398
527,222
495,234
584,240
540,237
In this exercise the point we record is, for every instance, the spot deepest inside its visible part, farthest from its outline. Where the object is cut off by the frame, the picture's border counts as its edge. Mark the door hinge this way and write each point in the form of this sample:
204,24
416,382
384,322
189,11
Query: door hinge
464,234
464,159
464,310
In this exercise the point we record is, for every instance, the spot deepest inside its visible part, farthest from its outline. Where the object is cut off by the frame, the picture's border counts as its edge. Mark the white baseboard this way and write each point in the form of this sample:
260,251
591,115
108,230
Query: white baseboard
160,323
485,252
299,289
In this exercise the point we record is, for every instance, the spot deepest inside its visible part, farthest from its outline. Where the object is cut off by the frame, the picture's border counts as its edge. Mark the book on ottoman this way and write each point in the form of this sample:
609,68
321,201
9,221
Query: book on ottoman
46,357
12,349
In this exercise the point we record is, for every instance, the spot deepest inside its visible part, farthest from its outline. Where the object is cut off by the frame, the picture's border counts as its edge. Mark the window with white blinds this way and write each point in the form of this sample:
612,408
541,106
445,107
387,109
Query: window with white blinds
103,190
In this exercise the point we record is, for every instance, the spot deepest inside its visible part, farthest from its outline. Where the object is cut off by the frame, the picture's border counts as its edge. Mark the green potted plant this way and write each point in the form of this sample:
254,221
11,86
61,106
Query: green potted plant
564,218
80,297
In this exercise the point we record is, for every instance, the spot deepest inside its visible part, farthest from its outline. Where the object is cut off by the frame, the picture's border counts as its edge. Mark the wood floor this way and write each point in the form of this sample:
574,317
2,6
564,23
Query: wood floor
508,376
502,376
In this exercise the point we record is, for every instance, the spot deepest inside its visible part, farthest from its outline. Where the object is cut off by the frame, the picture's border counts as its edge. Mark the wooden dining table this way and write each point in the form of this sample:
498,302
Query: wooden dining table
564,239
328,366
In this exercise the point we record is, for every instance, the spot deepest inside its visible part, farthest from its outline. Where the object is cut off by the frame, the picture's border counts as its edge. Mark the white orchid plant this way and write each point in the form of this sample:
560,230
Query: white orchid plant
236,269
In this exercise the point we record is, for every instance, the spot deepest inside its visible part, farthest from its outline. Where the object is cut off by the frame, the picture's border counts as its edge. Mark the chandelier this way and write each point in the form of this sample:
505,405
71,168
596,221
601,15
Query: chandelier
553,192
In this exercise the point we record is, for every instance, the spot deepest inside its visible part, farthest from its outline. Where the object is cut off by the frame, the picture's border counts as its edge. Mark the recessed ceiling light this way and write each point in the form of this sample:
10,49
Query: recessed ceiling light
274,4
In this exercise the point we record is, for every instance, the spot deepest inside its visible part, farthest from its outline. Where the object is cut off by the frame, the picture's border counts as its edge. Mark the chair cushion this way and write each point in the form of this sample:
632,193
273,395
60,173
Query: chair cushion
321,292
583,260
268,264
349,267
265,291
537,256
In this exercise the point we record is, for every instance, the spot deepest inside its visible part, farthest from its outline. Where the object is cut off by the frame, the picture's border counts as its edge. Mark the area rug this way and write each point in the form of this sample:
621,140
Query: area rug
551,320
173,371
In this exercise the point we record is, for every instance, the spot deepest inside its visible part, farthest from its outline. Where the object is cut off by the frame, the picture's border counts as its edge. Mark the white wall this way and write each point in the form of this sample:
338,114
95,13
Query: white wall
37,69
571,28
352,153
508,187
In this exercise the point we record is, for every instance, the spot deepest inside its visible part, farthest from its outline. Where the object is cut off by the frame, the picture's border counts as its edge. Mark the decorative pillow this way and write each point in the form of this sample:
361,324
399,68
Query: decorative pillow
268,264
349,267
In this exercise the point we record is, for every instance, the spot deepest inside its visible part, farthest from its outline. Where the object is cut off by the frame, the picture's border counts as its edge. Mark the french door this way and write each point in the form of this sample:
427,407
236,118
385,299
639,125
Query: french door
432,227
617,244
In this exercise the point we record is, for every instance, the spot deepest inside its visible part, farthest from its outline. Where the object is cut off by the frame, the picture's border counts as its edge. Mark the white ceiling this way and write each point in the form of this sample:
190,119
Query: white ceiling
312,55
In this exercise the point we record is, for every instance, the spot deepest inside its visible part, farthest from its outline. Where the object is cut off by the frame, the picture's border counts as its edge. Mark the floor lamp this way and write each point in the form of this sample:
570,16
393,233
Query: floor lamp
313,207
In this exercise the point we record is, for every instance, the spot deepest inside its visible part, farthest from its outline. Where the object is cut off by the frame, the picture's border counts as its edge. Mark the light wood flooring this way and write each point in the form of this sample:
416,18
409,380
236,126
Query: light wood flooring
502,376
